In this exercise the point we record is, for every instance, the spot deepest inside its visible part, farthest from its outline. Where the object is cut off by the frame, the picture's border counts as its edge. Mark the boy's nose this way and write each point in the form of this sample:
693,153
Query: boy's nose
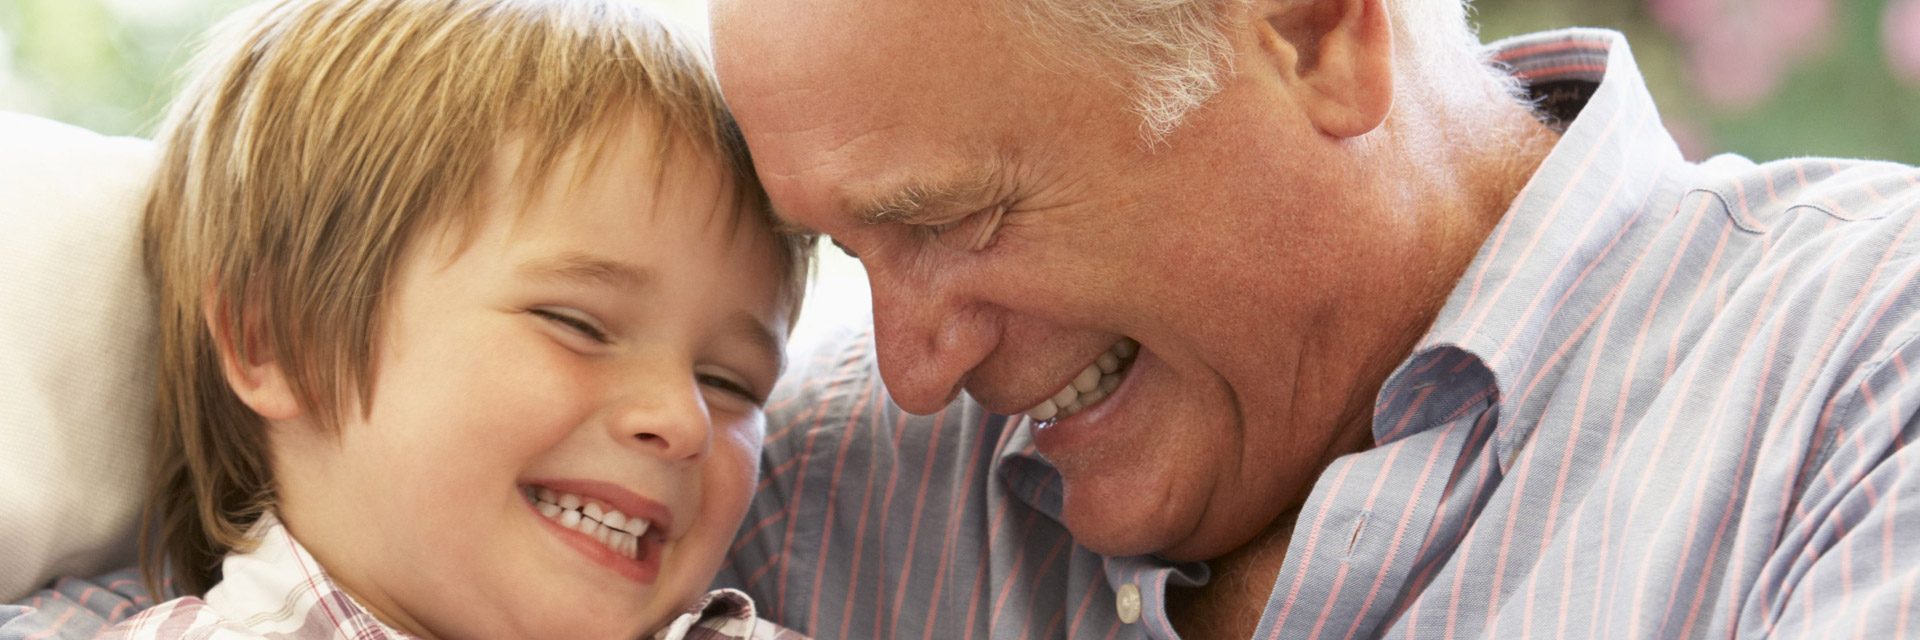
665,420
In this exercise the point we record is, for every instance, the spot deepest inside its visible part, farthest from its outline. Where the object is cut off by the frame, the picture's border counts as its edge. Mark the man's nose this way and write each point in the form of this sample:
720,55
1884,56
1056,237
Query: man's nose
663,415
928,338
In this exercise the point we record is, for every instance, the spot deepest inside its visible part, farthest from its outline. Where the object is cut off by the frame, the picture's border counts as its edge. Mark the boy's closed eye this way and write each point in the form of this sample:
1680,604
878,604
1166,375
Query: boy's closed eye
575,322
728,383
710,376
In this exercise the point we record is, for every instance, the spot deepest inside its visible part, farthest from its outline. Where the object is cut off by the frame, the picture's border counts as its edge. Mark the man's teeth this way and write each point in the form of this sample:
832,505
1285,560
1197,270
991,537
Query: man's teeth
616,530
1094,383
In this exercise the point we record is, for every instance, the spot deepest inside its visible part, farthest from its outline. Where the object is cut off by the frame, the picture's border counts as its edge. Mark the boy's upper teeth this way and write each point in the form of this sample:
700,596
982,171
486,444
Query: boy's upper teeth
570,509
1092,385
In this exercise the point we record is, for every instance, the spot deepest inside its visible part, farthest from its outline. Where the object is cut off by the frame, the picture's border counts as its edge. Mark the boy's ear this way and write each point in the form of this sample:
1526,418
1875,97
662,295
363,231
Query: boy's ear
1335,56
253,373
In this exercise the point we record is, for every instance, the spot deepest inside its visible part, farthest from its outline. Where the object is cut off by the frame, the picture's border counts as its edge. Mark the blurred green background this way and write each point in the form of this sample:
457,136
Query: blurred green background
1764,78
111,65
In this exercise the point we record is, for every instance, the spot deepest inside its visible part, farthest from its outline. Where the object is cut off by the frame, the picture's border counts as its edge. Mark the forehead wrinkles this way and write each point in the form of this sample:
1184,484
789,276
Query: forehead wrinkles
809,88
809,169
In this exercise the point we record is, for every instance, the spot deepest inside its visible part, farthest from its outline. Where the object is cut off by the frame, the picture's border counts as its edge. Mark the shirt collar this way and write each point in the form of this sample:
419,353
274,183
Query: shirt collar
1034,481
279,590
1526,292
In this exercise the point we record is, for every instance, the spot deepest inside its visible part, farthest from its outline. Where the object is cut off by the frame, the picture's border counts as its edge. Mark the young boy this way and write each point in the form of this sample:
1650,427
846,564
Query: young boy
469,308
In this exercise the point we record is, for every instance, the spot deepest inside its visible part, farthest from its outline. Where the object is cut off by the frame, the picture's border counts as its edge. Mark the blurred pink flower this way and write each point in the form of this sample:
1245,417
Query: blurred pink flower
1800,27
1685,17
1734,69
1900,29
1738,51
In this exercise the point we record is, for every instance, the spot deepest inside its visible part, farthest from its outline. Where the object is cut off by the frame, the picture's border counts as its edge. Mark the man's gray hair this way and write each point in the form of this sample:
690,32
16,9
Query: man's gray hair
1175,54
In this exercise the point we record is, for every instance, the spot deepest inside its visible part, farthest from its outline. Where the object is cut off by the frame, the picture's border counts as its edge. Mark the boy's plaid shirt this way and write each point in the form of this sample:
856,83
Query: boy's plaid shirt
277,591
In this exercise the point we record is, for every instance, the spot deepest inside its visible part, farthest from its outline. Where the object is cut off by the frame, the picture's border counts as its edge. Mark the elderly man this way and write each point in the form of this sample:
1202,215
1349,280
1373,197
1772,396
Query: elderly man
1325,322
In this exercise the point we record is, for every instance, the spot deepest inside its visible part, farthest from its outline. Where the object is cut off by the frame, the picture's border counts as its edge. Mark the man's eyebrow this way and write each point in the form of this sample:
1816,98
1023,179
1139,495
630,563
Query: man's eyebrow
913,201
582,267
757,335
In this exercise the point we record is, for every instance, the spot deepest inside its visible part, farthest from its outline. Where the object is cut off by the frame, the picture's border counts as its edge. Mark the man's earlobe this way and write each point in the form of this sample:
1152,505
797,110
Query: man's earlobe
1336,55
249,364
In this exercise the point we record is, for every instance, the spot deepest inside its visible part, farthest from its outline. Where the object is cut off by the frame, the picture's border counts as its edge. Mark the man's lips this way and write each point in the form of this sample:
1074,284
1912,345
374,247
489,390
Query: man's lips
1090,386
1059,438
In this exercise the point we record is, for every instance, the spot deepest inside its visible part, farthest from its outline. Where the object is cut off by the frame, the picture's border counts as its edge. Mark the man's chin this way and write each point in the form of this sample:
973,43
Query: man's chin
1140,525
1131,525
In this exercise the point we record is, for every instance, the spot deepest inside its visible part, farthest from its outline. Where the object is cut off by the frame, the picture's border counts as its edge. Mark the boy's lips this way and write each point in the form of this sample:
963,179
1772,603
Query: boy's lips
616,496
637,558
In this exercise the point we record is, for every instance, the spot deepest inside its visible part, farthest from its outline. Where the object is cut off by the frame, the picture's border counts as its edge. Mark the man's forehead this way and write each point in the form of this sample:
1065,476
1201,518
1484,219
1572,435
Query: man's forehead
851,36
856,50
856,110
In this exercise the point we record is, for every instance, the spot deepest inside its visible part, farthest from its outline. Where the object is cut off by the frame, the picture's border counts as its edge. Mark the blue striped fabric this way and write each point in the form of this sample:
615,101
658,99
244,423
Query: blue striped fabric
74,608
1667,400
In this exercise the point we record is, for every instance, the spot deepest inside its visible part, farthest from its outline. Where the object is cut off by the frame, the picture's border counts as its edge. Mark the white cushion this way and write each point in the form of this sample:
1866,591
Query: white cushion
76,351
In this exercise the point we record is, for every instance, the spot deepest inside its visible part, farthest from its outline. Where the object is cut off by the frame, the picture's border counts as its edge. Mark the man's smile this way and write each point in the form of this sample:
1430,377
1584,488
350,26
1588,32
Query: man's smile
1090,387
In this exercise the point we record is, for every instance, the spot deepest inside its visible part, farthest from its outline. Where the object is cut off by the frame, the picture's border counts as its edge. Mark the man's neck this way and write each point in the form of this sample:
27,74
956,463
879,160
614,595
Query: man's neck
1229,605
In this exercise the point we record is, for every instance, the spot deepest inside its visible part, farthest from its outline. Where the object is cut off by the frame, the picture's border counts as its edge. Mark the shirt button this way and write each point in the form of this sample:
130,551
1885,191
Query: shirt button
1127,603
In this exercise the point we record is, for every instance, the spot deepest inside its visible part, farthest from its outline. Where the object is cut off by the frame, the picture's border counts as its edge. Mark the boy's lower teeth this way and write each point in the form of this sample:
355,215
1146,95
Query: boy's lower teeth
612,528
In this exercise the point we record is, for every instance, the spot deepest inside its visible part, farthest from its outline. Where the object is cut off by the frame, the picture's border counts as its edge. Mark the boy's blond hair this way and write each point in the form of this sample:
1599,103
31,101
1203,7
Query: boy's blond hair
313,141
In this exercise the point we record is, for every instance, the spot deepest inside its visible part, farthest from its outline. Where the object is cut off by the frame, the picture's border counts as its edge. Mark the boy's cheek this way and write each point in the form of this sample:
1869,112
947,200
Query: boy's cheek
731,474
736,461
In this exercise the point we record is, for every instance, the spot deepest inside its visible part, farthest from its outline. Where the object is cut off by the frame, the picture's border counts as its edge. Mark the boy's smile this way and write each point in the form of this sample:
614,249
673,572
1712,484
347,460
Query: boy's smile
628,544
565,425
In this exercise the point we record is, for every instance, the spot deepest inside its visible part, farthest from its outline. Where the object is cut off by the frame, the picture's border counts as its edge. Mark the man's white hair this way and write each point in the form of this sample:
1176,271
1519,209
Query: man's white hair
1176,54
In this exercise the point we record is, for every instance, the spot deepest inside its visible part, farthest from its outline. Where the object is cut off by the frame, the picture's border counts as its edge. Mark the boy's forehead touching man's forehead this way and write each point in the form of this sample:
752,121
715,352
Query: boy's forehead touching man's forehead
583,269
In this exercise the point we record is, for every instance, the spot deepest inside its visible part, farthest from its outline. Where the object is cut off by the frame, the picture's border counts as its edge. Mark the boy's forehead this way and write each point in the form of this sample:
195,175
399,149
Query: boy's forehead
660,174
668,182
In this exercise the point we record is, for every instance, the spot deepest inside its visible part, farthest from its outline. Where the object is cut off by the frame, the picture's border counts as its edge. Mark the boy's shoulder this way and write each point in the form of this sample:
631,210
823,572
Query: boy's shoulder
277,590
724,614
299,619
274,590
178,618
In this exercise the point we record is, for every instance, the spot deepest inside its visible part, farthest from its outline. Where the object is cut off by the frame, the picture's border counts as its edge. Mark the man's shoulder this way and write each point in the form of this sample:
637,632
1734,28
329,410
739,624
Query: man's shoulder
75,607
824,369
1824,244
1831,194
1818,258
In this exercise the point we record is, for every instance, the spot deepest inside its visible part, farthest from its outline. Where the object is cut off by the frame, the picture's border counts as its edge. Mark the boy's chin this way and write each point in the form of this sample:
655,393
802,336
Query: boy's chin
592,617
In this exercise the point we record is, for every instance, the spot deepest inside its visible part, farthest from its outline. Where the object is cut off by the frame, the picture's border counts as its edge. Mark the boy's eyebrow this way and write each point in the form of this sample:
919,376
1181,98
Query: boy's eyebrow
584,267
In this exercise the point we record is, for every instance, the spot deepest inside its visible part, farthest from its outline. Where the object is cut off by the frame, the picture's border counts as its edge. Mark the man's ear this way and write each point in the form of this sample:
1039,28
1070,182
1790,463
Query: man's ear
1335,55
253,372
